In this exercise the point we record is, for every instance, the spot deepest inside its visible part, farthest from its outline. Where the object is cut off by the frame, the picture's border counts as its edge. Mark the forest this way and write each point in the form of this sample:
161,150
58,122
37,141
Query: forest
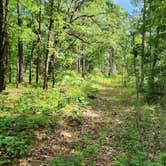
82,83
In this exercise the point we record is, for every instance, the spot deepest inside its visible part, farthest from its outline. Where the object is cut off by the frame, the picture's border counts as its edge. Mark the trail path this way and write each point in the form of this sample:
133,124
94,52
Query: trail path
95,130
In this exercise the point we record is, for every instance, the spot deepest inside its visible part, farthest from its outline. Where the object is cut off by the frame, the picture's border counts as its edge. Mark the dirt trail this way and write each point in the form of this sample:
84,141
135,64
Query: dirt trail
97,124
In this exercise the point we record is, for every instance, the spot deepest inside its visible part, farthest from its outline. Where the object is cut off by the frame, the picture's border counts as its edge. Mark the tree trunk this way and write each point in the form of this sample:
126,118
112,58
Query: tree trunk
20,44
111,62
6,39
30,62
47,58
9,66
125,69
156,50
135,68
83,67
3,44
143,47
79,65
2,65
53,69
17,74
39,44
153,64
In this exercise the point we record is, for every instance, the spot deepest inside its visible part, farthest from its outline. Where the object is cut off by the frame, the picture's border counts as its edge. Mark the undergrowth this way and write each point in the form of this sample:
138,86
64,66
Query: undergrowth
143,139
139,140
27,109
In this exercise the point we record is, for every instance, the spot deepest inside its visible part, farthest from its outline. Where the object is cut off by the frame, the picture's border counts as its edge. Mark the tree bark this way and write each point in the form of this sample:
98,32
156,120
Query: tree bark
30,63
53,69
17,74
9,66
78,65
39,44
20,44
111,62
83,67
2,64
135,68
47,57
3,44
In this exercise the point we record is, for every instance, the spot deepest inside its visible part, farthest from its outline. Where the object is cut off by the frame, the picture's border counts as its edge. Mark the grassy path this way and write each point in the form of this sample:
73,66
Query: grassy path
113,130
86,139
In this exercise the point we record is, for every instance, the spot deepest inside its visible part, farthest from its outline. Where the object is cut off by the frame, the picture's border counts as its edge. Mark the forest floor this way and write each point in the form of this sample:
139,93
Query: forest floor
90,136
112,130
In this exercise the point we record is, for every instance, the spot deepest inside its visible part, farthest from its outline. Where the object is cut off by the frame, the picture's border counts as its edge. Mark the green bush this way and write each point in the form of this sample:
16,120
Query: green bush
12,147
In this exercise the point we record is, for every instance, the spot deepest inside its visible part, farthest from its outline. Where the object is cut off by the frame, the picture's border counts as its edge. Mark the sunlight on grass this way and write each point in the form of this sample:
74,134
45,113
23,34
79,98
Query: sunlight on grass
79,121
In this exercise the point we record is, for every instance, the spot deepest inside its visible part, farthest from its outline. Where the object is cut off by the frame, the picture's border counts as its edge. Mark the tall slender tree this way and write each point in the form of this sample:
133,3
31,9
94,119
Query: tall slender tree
3,43
39,43
47,57
20,43
31,62
111,62
143,45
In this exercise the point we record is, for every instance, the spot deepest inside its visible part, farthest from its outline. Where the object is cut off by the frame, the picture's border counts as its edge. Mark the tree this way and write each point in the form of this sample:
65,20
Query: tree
143,44
47,57
3,43
111,62
20,43
39,43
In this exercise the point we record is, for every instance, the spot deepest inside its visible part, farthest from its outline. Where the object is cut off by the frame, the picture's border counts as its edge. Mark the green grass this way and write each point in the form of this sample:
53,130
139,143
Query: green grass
137,140
28,109
143,139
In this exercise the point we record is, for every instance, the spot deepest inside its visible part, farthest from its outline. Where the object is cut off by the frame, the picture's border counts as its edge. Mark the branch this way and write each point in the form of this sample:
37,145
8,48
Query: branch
81,16
77,6
86,16
78,37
